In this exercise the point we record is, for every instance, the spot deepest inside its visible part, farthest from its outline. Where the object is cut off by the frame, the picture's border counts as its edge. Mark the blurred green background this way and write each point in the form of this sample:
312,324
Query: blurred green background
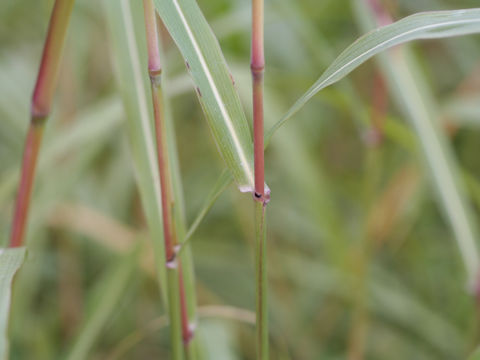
362,261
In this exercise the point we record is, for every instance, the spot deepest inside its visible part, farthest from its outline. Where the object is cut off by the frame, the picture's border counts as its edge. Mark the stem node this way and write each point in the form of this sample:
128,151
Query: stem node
172,263
257,71
155,76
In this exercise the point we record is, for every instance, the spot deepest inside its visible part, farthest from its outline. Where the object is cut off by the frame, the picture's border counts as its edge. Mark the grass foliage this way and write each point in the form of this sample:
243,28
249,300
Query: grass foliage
372,248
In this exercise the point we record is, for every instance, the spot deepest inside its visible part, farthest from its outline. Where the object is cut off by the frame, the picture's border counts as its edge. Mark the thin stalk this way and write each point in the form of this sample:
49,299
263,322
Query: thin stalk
40,110
30,154
174,309
180,328
257,66
187,331
261,303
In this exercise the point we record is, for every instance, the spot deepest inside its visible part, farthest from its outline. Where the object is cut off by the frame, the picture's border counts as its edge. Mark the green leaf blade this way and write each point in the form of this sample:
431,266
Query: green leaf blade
427,25
215,89
415,100
10,262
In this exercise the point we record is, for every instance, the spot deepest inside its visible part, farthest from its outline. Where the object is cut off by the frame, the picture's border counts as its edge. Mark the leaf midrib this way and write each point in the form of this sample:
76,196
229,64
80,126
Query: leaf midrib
207,72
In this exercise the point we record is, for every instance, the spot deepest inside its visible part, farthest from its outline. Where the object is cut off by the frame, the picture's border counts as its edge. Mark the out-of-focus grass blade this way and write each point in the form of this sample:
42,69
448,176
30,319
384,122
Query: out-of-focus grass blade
128,45
415,100
218,340
475,355
387,301
10,261
220,102
428,25
104,299
464,111
395,303
93,125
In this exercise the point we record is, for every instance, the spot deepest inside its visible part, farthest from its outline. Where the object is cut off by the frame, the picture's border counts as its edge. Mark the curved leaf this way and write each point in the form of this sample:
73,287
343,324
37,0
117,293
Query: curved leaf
427,25
411,93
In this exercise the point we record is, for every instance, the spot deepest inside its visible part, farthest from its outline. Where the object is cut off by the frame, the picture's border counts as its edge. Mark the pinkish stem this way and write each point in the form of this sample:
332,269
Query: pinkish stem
30,154
40,109
170,239
257,66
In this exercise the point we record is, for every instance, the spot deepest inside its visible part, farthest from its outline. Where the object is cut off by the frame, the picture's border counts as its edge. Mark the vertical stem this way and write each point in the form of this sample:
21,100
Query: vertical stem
174,308
30,154
261,303
257,66
40,110
155,71
180,327
187,332
51,57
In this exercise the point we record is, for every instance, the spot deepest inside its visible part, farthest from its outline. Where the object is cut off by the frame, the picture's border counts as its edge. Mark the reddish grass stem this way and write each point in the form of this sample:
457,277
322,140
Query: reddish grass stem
51,57
40,109
30,154
155,71
187,331
257,66
170,239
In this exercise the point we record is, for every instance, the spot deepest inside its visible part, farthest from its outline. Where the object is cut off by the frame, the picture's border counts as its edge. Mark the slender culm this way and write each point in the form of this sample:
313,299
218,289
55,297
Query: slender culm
155,71
187,331
40,110
261,302
180,327
257,66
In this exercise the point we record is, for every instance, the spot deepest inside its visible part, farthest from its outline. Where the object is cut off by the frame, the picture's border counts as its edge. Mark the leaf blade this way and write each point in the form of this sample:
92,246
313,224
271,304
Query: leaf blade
220,102
10,261
427,25
411,93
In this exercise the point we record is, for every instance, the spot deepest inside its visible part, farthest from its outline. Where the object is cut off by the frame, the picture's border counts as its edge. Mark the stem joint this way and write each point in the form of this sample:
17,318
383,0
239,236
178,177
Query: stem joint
257,71
155,76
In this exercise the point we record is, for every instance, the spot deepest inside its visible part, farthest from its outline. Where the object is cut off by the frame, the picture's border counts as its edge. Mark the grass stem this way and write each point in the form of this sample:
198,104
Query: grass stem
40,110
257,66
261,303
29,162
179,320
174,308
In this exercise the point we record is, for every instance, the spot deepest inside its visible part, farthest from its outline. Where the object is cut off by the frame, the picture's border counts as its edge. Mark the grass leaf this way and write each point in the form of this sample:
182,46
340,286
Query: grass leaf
416,102
104,299
93,125
428,25
218,97
10,261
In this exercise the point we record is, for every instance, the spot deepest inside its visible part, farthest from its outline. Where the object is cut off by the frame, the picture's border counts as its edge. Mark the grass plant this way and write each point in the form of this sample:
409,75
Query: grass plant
373,226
